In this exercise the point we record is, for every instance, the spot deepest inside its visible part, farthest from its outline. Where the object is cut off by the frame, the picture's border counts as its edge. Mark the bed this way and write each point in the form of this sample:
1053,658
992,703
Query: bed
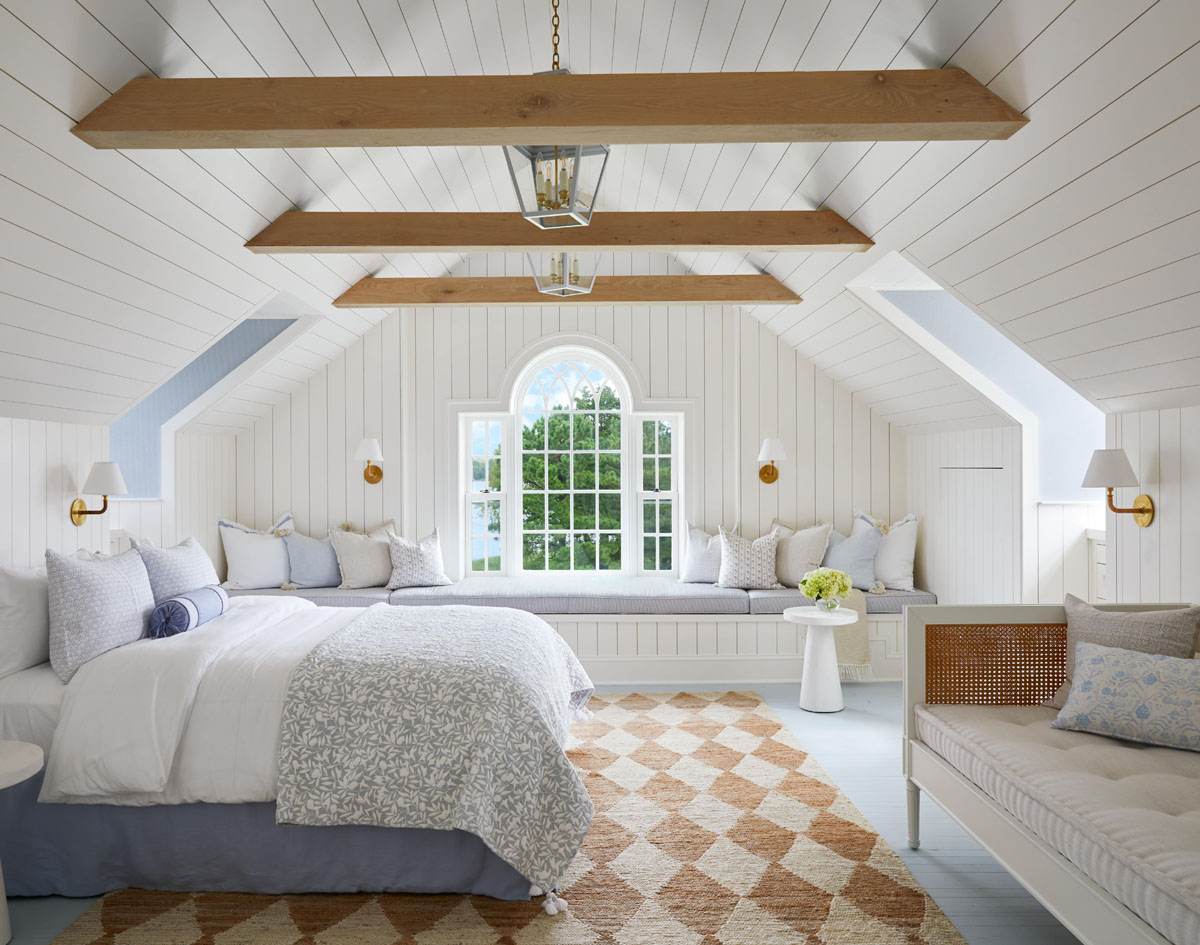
164,756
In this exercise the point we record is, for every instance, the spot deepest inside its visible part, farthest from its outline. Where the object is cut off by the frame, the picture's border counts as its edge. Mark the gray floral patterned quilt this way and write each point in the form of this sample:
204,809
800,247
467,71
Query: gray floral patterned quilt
441,717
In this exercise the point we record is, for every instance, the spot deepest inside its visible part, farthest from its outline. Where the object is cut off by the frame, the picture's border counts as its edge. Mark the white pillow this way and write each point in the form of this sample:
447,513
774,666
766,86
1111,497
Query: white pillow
255,559
24,619
701,557
897,549
365,560
748,564
416,563
800,552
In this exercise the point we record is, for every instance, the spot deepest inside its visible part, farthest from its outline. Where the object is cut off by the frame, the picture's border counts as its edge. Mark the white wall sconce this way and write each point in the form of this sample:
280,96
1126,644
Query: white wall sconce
369,452
1111,469
105,479
772,452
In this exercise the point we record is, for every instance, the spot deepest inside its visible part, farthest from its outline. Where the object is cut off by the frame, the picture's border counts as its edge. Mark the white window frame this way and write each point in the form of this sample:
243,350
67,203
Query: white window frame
512,492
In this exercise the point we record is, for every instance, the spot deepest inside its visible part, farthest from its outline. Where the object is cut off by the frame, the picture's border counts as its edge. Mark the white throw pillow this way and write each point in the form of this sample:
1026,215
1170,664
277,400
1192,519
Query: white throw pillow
365,560
800,552
897,549
255,559
417,563
748,564
177,570
701,558
24,619
95,606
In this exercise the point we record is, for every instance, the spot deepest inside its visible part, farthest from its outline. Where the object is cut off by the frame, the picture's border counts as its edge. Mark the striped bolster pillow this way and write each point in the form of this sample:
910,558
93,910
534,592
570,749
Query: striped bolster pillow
187,611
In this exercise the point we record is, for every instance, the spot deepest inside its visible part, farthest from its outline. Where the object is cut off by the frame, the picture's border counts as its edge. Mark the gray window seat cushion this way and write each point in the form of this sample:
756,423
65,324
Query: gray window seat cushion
890,602
323,596
566,594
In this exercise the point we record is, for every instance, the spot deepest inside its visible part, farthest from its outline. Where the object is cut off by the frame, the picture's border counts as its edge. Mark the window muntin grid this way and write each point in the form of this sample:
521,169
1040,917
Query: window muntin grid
571,470
485,497
657,495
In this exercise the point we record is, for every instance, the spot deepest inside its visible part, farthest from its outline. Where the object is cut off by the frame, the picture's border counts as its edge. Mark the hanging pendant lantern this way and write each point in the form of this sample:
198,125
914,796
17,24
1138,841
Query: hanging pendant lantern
556,184
560,274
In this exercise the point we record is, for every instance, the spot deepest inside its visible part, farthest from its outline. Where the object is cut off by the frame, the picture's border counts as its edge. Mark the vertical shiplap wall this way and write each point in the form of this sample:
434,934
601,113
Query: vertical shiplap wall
1062,548
42,466
1161,562
743,382
965,487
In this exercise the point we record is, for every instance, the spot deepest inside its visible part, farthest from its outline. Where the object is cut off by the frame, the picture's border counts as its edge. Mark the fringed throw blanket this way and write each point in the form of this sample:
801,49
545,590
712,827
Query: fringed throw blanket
441,717
853,650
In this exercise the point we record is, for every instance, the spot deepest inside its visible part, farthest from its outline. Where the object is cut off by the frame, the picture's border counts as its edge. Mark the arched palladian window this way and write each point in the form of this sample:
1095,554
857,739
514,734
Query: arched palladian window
591,486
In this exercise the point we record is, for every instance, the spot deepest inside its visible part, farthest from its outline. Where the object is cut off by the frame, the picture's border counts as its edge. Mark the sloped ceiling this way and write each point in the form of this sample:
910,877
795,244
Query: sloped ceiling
1078,236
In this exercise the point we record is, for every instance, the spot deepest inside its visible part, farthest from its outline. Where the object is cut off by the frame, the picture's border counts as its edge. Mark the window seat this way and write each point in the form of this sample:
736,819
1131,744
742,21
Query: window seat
569,594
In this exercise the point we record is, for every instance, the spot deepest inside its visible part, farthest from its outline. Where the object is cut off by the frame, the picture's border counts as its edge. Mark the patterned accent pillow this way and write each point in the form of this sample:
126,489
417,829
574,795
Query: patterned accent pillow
702,557
1169,632
364,560
799,552
95,606
417,563
175,570
186,612
748,564
1137,697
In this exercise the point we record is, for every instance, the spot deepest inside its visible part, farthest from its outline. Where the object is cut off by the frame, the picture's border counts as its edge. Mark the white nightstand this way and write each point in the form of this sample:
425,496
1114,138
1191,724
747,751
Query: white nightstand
820,686
18,761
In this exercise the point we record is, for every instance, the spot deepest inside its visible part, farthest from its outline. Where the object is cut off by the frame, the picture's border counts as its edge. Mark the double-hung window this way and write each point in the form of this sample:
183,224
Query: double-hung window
571,480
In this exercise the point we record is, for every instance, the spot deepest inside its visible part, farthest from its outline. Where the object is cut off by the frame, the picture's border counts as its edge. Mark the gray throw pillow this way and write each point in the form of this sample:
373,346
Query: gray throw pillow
748,564
855,555
312,562
417,563
176,570
1165,632
95,606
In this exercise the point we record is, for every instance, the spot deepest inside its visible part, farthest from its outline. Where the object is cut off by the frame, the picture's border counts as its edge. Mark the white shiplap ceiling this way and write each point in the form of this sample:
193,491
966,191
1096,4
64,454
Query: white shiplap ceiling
1078,236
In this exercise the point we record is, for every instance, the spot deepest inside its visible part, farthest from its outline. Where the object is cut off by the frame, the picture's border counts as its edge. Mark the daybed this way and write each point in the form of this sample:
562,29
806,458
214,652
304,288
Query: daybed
568,594
1105,833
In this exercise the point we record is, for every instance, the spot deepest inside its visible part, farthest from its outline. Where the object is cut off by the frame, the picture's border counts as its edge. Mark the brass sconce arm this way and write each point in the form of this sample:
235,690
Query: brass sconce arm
1142,511
80,511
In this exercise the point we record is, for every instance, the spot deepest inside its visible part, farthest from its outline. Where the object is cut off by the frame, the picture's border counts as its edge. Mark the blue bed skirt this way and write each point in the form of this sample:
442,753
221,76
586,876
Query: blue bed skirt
89,849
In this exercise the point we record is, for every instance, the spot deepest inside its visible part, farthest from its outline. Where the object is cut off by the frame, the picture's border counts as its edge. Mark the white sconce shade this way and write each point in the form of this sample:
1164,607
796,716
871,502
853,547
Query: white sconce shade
772,450
1109,469
368,451
105,479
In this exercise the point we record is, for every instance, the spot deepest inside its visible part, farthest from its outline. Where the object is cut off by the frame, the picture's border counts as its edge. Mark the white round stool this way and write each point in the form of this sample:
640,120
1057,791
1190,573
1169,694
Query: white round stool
820,686
18,761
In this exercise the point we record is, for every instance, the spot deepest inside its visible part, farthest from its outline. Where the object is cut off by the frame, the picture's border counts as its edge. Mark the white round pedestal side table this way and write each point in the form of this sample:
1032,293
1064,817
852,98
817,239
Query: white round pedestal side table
18,761
820,686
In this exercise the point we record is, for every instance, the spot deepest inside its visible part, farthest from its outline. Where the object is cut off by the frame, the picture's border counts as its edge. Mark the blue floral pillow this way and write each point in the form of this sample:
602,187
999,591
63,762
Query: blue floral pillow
1138,697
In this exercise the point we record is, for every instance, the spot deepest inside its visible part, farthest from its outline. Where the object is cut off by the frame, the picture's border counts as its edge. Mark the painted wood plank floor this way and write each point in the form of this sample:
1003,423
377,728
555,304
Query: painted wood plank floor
860,748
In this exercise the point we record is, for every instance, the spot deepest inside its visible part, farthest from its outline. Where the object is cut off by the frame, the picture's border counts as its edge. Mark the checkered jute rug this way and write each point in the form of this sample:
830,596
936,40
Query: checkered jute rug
713,827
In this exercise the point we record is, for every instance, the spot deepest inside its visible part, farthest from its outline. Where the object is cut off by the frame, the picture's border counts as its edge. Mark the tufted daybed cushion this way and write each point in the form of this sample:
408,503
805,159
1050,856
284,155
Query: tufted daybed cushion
889,602
324,596
1126,815
568,594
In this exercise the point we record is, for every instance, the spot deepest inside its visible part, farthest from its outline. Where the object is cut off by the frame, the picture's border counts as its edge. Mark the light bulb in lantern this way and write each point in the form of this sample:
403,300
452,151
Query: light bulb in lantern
575,269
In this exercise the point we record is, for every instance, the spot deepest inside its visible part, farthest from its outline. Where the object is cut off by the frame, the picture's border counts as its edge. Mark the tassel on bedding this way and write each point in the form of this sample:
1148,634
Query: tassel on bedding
582,714
553,905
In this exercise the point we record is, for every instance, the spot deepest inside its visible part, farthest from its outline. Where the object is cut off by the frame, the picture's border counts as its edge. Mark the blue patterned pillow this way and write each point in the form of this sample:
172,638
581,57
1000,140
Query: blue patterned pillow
187,611
1138,697
175,570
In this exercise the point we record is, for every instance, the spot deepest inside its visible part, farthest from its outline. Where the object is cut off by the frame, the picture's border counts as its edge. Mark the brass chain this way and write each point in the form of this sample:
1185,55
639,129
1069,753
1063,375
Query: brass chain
554,21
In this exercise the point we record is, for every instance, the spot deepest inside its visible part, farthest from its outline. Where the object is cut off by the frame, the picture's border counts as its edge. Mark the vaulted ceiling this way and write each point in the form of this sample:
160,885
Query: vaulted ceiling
1078,236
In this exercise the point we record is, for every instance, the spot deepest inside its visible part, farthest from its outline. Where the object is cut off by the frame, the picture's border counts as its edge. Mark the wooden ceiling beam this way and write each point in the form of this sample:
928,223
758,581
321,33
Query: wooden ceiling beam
642,108
776,231
608,290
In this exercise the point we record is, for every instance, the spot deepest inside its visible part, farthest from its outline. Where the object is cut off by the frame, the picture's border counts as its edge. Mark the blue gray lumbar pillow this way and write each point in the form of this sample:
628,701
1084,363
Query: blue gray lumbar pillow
313,562
187,611
175,570
855,555
1137,697
95,606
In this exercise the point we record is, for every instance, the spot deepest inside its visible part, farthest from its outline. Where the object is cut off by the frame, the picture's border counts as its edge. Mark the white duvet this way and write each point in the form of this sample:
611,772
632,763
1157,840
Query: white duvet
190,718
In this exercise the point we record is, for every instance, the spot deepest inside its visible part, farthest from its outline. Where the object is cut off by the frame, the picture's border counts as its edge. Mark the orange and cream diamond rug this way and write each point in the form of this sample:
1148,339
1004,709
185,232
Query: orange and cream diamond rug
713,827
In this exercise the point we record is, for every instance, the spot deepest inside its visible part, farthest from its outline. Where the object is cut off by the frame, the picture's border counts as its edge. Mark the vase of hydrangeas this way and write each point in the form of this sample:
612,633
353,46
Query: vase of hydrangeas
827,587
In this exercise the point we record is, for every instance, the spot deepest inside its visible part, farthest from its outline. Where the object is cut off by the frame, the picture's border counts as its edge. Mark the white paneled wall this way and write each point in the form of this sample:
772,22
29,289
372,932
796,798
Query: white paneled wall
402,379
1162,562
1062,548
965,487
42,466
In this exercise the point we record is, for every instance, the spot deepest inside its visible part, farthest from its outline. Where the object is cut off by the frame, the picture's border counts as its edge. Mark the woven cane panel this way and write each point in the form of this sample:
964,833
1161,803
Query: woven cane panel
994,664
